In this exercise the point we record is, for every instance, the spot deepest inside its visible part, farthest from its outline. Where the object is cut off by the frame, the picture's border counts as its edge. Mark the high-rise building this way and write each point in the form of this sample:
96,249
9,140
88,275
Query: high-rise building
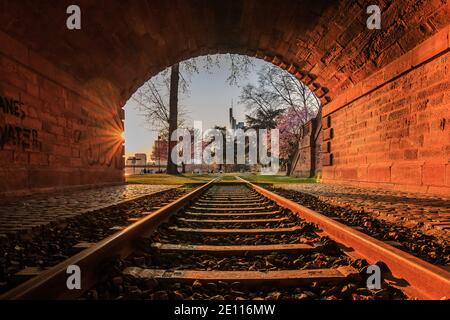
232,119
233,124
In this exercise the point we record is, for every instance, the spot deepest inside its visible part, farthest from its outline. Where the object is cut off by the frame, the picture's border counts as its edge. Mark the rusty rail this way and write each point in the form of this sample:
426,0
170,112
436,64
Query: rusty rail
427,280
51,284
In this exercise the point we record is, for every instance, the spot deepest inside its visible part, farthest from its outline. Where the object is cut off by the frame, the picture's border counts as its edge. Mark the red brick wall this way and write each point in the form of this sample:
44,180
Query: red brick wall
325,44
53,134
393,129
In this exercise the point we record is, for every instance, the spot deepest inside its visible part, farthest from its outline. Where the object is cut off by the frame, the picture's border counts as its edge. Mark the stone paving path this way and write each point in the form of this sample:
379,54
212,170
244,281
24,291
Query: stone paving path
35,211
431,214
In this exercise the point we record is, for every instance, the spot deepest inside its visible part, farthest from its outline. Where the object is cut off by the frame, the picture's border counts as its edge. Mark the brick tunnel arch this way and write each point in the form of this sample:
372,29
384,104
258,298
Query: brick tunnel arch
71,85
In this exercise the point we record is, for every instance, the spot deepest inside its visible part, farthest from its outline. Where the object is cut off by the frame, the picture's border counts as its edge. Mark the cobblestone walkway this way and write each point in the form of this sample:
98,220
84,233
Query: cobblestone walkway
431,214
36,211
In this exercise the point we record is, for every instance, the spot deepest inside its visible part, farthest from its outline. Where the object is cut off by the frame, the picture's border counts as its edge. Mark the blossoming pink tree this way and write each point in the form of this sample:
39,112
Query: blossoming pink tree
280,101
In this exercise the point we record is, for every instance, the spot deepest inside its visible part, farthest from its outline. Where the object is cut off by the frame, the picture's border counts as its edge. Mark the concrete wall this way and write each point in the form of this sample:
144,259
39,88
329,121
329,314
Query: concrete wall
53,134
393,129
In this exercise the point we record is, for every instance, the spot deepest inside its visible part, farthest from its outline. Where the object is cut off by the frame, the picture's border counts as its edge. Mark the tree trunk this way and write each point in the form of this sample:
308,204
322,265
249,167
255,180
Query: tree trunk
288,167
173,116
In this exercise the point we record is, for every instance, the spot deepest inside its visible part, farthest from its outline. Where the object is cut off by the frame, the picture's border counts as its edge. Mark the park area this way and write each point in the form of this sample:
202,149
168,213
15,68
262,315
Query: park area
175,179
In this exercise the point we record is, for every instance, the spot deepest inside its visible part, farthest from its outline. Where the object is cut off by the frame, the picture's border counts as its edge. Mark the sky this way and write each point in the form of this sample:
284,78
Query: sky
209,99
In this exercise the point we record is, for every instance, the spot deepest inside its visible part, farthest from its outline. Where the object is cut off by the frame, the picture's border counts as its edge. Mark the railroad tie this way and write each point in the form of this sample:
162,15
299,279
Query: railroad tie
228,204
258,221
286,278
225,215
243,250
243,201
231,209
237,231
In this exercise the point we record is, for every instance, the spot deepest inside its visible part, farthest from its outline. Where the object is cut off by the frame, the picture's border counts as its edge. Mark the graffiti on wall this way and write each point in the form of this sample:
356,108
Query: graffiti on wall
13,134
92,137
98,148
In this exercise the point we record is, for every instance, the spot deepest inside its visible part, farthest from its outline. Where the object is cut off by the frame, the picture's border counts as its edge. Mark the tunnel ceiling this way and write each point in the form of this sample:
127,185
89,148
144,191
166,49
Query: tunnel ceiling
325,43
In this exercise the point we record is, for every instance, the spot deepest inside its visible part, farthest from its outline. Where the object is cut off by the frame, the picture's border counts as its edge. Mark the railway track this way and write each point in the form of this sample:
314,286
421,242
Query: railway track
235,240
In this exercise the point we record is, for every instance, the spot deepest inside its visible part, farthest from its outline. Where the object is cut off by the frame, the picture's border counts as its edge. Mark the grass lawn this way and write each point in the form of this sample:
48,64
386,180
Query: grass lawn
276,179
168,179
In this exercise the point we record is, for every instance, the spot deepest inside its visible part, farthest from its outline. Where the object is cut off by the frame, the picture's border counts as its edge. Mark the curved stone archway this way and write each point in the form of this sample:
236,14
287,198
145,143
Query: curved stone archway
74,83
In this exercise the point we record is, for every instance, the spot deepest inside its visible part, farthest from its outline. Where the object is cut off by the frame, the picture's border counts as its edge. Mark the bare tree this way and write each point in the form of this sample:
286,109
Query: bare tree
158,98
279,90
153,101
279,100
173,115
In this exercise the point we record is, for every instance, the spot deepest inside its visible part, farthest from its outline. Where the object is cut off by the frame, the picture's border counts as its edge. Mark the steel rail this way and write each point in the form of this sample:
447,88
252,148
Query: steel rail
428,281
52,283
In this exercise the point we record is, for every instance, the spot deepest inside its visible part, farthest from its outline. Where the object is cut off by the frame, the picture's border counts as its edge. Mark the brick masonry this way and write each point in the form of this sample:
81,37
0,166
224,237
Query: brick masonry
397,135
53,136
72,81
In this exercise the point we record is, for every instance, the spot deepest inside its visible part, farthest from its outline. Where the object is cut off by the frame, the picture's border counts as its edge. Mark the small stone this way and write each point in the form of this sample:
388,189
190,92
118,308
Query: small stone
176,286
140,261
274,296
222,284
359,263
197,284
197,296
211,286
384,268
311,294
117,281
177,295
150,284
302,296
160,295
93,295
382,294
363,291
297,262
348,289
238,293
